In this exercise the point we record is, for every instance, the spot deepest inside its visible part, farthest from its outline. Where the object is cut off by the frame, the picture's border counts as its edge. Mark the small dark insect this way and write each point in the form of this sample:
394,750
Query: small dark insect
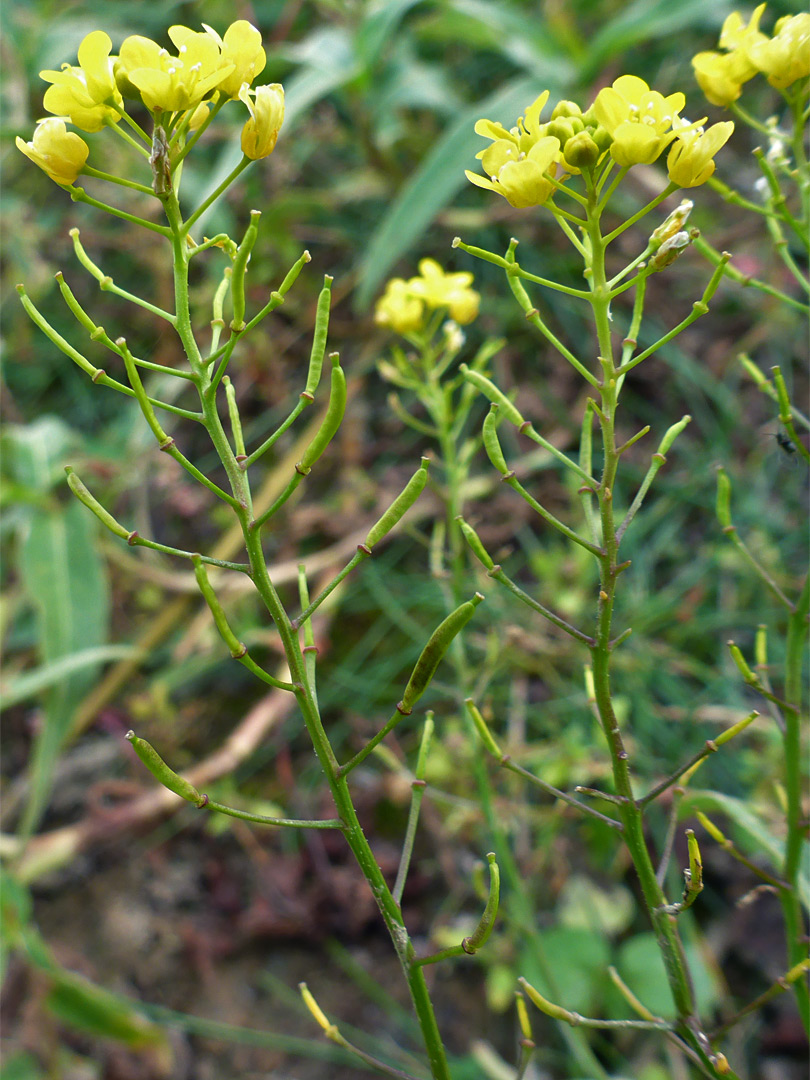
785,443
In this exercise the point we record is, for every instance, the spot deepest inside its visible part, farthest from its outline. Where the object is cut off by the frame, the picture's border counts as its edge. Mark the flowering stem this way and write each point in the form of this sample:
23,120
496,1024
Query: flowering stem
629,810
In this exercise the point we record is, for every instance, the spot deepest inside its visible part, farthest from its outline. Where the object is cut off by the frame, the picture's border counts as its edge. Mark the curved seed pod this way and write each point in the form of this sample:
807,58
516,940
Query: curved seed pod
241,257
491,444
236,647
319,337
331,422
723,499
433,652
83,495
479,936
671,434
486,736
494,393
161,771
474,542
239,270
404,501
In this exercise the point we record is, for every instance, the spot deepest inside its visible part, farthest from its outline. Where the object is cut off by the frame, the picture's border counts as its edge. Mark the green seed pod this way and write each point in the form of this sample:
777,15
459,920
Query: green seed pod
404,501
566,108
235,646
437,646
161,771
474,542
331,422
83,495
491,444
494,393
319,337
239,270
481,933
671,434
486,736
581,151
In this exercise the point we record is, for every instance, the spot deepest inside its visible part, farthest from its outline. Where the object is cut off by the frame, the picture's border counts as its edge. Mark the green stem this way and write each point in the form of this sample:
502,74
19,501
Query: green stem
629,811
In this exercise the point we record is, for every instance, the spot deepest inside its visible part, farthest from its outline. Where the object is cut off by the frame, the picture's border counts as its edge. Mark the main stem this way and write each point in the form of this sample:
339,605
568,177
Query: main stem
338,785
631,814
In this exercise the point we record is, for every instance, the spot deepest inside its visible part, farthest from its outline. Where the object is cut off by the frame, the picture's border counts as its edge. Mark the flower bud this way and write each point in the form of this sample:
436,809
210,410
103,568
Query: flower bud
672,225
566,108
581,151
260,133
58,152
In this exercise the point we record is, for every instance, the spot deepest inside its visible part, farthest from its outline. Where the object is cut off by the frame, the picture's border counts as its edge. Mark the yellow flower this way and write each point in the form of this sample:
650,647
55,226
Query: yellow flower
689,162
441,290
87,94
786,56
242,47
260,132
740,37
399,309
518,160
58,152
520,178
720,75
639,119
174,83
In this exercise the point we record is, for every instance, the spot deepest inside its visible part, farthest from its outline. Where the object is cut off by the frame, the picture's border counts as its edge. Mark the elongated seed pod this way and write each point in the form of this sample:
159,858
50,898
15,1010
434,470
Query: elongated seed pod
319,337
235,646
671,434
83,495
161,771
491,444
486,736
404,501
239,270
474,542
433,652
723,499
331,422
494,393
485,926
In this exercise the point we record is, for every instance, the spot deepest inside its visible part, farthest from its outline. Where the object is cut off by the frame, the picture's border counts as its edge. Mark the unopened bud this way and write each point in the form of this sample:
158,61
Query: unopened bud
581,151
672,225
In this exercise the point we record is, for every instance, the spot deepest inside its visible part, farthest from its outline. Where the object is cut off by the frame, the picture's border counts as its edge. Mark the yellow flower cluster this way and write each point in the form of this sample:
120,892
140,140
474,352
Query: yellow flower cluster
783,58
176,89
405,305
628,121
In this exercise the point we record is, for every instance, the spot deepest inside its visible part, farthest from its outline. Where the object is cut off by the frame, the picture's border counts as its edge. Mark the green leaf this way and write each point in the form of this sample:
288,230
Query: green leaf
641,966
31,683
639,22
382,18
577,960
438,178
67,584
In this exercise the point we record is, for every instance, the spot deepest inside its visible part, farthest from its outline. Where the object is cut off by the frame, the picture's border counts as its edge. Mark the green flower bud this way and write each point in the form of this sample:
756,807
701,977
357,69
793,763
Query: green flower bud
581,151
562,129
566,108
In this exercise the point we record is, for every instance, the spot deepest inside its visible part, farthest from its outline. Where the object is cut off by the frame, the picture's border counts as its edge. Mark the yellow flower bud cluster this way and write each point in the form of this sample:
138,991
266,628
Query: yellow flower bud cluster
628,121
783,58
405,305
177,89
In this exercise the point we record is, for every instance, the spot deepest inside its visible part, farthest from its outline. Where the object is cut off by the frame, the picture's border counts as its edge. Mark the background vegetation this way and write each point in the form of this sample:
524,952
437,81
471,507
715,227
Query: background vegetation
215,923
